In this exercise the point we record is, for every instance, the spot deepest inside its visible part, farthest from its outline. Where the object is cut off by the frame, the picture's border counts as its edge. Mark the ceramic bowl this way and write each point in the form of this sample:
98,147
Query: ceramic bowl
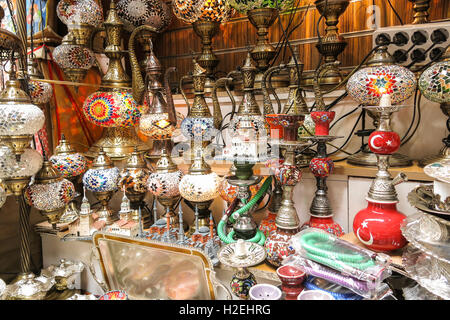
265,292
291,275
315,295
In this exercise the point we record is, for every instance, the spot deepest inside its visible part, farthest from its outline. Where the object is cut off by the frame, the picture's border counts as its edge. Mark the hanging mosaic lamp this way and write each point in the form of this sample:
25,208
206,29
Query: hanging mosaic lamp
434,82
368,84
40,92
50,193
187,10
29,163
80,12
74,59
67,161
19,118
135,13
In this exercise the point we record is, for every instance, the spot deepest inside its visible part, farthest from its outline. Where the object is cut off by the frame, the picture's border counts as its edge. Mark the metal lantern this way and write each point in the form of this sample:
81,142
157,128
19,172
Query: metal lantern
50,193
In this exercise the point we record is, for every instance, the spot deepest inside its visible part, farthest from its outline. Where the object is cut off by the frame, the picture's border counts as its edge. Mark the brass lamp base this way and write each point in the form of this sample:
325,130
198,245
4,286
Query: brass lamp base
118,143
169,212
369,159
105,213
443,154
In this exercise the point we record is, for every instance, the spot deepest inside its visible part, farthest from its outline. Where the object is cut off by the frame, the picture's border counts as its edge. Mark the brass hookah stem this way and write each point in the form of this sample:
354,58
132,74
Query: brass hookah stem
24,234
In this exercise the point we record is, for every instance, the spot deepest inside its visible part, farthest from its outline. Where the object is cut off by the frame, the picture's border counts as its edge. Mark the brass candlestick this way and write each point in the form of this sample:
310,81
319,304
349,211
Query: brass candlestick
420,9
117,142
206,30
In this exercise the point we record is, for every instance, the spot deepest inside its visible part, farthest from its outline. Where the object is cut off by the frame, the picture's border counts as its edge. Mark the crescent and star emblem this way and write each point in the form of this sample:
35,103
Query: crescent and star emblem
372,141
367,243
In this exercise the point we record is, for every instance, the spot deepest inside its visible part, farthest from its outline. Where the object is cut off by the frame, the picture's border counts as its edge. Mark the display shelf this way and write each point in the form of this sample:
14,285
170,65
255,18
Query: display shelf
413,172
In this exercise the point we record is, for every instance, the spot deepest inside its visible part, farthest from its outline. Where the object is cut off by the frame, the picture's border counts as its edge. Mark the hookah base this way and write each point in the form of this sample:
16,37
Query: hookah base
369,159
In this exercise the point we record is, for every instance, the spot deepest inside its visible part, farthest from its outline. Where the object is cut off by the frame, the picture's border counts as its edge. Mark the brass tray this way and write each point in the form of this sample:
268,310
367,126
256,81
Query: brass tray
148,269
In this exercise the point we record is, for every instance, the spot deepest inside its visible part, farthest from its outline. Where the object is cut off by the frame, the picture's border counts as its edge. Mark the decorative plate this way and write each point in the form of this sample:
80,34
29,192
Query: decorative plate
255,255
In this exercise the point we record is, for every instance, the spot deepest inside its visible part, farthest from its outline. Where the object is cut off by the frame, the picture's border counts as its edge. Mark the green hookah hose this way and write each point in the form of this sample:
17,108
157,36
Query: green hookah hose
319,250
259,238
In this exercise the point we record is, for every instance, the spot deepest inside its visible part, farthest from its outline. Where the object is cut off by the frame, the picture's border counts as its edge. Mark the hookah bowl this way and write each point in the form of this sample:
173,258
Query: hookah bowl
291,279
378,225
242,255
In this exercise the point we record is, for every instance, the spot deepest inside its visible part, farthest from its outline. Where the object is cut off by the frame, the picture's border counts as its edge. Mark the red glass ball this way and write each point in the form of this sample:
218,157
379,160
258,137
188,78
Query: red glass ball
384,142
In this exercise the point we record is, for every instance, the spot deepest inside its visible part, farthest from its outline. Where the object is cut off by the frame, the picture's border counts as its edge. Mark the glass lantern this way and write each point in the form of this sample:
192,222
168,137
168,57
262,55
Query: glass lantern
29,163
67,161
80,12
40,92
134,13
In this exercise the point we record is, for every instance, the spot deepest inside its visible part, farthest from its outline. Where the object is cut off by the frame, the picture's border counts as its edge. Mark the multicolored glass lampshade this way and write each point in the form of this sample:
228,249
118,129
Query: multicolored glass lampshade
434,82
2,196
73,56
50,196
198,129
163,183
40,92
67,161
134,13
101,180
368,85
187,10
18,116
29,164
215,10
200,188
242,6
156,126
133,177
112,109
80,12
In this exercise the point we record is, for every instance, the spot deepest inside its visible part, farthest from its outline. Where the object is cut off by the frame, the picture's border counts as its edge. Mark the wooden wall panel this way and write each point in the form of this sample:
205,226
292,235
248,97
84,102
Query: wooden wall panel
175,46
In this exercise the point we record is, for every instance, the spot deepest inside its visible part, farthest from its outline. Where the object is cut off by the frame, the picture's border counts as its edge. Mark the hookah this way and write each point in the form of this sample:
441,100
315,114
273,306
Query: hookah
378,225
322,166
247,134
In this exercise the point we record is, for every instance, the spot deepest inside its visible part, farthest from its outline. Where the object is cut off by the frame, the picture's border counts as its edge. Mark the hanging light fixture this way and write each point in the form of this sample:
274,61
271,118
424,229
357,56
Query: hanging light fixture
19,118
40,92
434,84
366,86
50,193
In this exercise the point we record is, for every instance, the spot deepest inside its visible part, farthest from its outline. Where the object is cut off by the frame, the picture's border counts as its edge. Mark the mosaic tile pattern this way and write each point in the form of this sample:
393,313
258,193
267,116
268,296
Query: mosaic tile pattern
79,11
134,13
73,56
321,167
198,188
368,85
50,196
29,164
165,185
20,119
434,82
40,92
101,180
187,10
215,10
134,180
156,126
111,109
199,129
69,166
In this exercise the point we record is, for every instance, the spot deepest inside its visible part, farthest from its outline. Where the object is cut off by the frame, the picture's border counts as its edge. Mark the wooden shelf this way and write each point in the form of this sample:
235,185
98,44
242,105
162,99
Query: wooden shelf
413,172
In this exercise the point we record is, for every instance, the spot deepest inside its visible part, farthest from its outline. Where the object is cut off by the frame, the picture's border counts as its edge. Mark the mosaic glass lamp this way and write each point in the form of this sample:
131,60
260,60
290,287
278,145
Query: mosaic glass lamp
434,84
19,118
40,92
366,86
80,12
67,161
29,163
135,13
164,185
50,193
101,179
